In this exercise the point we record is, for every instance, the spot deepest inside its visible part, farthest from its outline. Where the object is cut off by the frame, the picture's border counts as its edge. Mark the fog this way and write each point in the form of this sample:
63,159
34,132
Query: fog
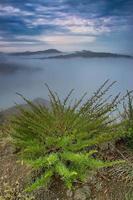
29,74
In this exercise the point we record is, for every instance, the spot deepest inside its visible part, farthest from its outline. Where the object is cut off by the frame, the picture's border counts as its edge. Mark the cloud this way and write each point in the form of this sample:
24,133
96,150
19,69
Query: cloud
14,43
42,42
80,25
63,22
59,39
66,39
74,24
13,11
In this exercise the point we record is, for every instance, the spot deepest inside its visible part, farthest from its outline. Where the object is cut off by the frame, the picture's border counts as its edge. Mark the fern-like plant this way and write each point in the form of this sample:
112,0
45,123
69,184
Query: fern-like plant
60,140
127,118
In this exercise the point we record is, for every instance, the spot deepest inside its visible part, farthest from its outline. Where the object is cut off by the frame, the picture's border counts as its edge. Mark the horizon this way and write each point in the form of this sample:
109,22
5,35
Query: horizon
69,51
102,26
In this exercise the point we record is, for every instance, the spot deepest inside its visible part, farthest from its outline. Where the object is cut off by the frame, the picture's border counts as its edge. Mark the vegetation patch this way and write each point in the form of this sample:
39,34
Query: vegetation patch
61,141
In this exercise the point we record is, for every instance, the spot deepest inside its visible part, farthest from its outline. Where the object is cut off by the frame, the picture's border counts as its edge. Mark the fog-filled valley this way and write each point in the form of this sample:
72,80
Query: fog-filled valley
27,74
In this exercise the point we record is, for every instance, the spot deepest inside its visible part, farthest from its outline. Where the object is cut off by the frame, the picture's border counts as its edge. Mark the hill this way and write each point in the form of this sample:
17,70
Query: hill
89,54
6,114
48,51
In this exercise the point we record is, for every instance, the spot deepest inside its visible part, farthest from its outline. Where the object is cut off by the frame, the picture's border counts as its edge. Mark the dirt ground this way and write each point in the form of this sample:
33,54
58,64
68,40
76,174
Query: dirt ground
108,184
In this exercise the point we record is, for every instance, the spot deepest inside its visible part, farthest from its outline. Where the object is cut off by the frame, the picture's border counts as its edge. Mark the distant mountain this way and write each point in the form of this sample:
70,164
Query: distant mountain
6,114
89,54
48,51
56,54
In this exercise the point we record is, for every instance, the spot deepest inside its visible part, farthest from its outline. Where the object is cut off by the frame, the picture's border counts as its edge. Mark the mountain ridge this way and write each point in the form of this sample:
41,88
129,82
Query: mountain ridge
35,52
61,54
89,54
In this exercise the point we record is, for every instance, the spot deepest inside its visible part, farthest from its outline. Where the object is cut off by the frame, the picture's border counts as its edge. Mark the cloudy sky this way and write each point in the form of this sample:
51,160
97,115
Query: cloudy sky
100,25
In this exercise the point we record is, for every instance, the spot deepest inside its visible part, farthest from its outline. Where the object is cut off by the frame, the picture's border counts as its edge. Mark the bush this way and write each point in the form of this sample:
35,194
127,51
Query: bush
60,140
127,119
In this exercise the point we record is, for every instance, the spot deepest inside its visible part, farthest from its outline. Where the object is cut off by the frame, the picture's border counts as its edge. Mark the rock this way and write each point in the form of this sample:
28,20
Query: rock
83,193
79,195
108,146
69,193
98,186
91,178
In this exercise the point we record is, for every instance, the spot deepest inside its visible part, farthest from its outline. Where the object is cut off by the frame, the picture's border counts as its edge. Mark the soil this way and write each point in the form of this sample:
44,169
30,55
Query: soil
107,184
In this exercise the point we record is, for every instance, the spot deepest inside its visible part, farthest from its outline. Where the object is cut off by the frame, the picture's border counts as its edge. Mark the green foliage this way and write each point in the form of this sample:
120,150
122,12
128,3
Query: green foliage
60,140
129,195
127,117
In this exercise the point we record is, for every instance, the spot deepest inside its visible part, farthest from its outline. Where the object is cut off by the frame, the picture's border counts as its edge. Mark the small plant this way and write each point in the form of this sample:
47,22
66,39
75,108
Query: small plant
127,117
60,140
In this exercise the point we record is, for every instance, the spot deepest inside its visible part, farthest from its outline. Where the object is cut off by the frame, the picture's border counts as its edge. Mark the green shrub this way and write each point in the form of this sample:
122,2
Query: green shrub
60,140
127,118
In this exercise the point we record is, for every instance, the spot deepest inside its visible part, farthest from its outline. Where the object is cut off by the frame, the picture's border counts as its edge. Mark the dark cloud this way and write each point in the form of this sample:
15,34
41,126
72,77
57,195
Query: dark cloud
68,17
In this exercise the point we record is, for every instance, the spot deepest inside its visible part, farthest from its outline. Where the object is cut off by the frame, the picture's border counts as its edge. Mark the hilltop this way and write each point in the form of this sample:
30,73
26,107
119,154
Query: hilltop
57,54
48,51
90,54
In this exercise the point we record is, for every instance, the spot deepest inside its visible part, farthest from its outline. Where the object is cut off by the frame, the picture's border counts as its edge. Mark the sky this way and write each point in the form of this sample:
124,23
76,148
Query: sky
68,25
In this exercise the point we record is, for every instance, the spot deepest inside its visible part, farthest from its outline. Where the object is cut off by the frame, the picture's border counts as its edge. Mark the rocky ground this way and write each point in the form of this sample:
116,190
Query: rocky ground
109,184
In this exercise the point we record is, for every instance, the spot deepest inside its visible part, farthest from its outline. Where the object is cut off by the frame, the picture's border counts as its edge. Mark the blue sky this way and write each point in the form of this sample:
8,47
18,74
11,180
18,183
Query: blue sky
99,25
